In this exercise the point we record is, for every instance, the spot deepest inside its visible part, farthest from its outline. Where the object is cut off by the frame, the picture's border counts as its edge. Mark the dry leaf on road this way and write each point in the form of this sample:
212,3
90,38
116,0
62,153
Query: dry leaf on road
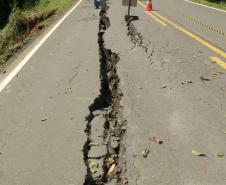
156,140
111,169
164,86
220,154
186,82
196,153
145,152
44,119
217,73
204,78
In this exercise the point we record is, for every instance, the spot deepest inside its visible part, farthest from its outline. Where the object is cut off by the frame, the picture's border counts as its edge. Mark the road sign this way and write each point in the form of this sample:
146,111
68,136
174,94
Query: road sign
129,2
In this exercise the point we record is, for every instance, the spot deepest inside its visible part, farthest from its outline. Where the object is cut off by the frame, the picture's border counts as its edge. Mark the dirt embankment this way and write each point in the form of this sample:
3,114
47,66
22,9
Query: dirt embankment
15,35
24,22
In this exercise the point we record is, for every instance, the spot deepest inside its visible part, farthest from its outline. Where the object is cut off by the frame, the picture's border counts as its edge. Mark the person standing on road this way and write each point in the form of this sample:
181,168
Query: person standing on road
96,3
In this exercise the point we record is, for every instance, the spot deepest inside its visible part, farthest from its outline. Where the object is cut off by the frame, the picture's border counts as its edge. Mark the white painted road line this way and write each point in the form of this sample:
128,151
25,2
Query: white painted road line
15,71
205,6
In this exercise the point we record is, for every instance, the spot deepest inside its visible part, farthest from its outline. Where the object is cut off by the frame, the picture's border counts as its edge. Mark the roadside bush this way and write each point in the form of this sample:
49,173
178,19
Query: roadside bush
7,6
19,18
26,4
5,10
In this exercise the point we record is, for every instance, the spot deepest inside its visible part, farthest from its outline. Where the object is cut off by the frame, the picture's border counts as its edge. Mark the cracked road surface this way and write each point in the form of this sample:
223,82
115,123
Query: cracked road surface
83,108
59,83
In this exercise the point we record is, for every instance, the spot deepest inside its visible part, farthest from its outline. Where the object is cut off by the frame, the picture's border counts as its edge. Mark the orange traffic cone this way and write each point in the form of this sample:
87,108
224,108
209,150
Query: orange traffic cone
148,6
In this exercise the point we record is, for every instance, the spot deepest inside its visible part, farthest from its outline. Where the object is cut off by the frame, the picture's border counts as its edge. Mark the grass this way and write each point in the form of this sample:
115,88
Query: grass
16,30
216,4
48,5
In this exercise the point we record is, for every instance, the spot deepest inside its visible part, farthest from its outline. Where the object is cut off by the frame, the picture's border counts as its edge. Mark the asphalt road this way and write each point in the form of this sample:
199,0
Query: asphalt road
185,116
170,87
58,84
206,22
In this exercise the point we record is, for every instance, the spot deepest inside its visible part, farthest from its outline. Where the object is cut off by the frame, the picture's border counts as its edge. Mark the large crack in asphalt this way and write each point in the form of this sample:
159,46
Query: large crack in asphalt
138,40
104,150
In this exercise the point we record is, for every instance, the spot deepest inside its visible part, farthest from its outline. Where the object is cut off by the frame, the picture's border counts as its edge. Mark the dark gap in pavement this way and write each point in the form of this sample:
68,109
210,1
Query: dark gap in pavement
106,107
138,40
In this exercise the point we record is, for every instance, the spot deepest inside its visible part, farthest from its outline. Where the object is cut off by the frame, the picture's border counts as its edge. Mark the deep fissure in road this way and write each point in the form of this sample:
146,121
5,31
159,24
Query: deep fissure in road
104,151
138,40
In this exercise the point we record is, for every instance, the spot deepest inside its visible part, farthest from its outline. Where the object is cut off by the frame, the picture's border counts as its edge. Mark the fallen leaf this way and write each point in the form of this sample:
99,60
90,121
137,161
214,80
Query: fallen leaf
186,82
196,153
225,132
44,119
92,166
145,152
164,86
217,73
156,140
220,154
204,78
111,169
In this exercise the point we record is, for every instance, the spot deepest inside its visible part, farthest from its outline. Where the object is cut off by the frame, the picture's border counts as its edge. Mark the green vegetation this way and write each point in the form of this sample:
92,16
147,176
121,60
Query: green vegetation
221,4
19,18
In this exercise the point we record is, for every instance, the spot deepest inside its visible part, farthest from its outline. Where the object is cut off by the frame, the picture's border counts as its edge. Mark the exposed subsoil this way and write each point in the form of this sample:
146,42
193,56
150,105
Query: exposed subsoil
105,160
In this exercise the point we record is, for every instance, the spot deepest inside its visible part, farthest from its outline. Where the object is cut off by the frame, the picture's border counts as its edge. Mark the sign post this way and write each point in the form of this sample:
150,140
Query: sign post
130,3
129,8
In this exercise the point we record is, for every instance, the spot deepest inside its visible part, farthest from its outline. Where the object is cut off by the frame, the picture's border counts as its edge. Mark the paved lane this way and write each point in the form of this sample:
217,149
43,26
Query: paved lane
186,116
207,23
58,83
